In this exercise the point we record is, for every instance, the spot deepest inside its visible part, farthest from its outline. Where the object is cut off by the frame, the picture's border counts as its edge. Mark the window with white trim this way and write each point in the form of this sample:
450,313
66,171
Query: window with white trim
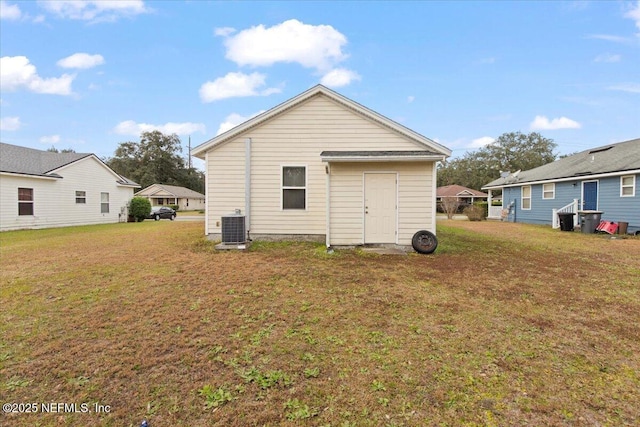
549,191
25,201
81,197
104,202
628,186
526,197
294,187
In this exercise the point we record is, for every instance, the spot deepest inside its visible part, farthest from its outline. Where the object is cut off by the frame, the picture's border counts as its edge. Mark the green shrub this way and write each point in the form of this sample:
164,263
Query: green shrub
475,213
174,207
139,208
484,206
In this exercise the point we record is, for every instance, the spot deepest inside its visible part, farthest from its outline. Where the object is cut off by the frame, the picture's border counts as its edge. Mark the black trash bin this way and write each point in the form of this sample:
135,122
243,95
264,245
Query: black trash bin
566,221
589,221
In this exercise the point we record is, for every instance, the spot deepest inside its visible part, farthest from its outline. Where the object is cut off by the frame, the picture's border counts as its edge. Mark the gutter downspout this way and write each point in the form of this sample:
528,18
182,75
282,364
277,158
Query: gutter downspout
247,184
434,195
327,170
206,192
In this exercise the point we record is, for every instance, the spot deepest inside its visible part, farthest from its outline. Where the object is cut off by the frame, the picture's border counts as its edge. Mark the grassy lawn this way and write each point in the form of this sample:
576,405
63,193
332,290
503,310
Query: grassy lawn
505,325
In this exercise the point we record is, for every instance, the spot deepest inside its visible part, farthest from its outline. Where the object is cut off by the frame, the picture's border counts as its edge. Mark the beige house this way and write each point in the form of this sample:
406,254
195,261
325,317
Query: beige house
163,194
322,167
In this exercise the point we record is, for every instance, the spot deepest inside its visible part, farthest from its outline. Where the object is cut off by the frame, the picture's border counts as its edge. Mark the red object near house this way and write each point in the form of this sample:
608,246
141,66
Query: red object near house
607,227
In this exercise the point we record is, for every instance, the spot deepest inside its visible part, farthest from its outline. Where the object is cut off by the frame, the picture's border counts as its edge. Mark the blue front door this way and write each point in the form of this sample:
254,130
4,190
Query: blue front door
590,195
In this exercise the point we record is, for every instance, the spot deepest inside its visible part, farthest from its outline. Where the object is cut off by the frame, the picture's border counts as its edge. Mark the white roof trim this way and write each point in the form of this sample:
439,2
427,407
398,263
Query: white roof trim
27,175
570,178
391,158
318,89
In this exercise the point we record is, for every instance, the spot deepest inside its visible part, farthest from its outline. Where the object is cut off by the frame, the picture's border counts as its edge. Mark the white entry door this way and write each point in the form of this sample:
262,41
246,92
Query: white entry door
380,208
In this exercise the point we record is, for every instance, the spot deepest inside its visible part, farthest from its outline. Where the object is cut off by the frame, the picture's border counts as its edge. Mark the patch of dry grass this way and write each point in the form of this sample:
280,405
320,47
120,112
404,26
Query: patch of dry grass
506,324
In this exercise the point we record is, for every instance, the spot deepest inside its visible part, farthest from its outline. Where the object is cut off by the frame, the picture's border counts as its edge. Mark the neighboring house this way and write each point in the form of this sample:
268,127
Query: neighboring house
41,189
162,194
602,179
463,195
323,167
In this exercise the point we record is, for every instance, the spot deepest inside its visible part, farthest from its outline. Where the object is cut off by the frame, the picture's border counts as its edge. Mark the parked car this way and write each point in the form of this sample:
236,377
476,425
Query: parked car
160,212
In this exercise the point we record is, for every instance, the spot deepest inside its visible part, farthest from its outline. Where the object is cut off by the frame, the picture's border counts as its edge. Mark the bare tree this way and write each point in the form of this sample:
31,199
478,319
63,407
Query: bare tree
450,206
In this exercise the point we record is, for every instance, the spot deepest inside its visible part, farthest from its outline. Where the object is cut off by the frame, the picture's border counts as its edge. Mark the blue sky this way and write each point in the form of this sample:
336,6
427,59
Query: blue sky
88,75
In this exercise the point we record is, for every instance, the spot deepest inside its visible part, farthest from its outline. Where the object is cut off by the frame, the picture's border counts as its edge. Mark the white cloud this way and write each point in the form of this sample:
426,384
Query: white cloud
410,99
10,12
224,31
52,139
543,123
312,46
233,120
626,87
634,14
95,10
339,77
10,123
129,127
81,60
607,57
610,38
481,142
235,85
17,72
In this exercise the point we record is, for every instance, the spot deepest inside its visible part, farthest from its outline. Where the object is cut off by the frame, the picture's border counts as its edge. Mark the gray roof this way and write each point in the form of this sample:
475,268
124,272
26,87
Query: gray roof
611,158
177,191
29,161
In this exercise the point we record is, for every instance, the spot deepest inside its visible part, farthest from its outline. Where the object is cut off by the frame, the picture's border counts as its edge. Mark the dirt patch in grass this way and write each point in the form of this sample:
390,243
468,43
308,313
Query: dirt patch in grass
506,324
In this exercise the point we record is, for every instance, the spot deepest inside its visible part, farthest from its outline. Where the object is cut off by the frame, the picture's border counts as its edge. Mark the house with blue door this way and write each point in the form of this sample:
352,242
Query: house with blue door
603,179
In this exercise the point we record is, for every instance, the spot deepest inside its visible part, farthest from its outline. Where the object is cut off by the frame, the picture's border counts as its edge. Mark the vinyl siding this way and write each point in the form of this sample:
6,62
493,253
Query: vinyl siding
614,207
54,200
415,200
294,138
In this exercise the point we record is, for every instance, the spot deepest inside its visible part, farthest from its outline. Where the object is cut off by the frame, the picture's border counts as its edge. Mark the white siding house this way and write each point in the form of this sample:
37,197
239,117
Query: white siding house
41,189
322,167
163,194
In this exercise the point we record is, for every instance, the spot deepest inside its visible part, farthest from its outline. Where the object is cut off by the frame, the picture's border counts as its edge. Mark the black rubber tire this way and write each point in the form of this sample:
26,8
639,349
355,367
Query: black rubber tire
172,217
157,217
424,242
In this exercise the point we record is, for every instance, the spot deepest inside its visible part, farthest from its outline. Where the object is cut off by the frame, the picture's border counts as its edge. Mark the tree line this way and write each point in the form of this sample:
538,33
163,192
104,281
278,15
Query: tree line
512,151
156,159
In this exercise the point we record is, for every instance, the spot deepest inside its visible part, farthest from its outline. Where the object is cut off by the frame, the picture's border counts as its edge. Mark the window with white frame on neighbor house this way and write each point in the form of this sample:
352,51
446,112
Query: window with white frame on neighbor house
104,202
81,197
628,186
294,187
549,191
25,201
526,197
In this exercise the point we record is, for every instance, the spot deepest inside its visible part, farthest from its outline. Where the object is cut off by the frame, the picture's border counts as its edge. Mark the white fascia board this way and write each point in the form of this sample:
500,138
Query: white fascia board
26,175
565,179
351,159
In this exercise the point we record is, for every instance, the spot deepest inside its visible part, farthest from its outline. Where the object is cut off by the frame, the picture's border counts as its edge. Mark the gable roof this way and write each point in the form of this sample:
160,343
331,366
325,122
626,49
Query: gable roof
174,190
617,158
458,191
317,90
19,160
